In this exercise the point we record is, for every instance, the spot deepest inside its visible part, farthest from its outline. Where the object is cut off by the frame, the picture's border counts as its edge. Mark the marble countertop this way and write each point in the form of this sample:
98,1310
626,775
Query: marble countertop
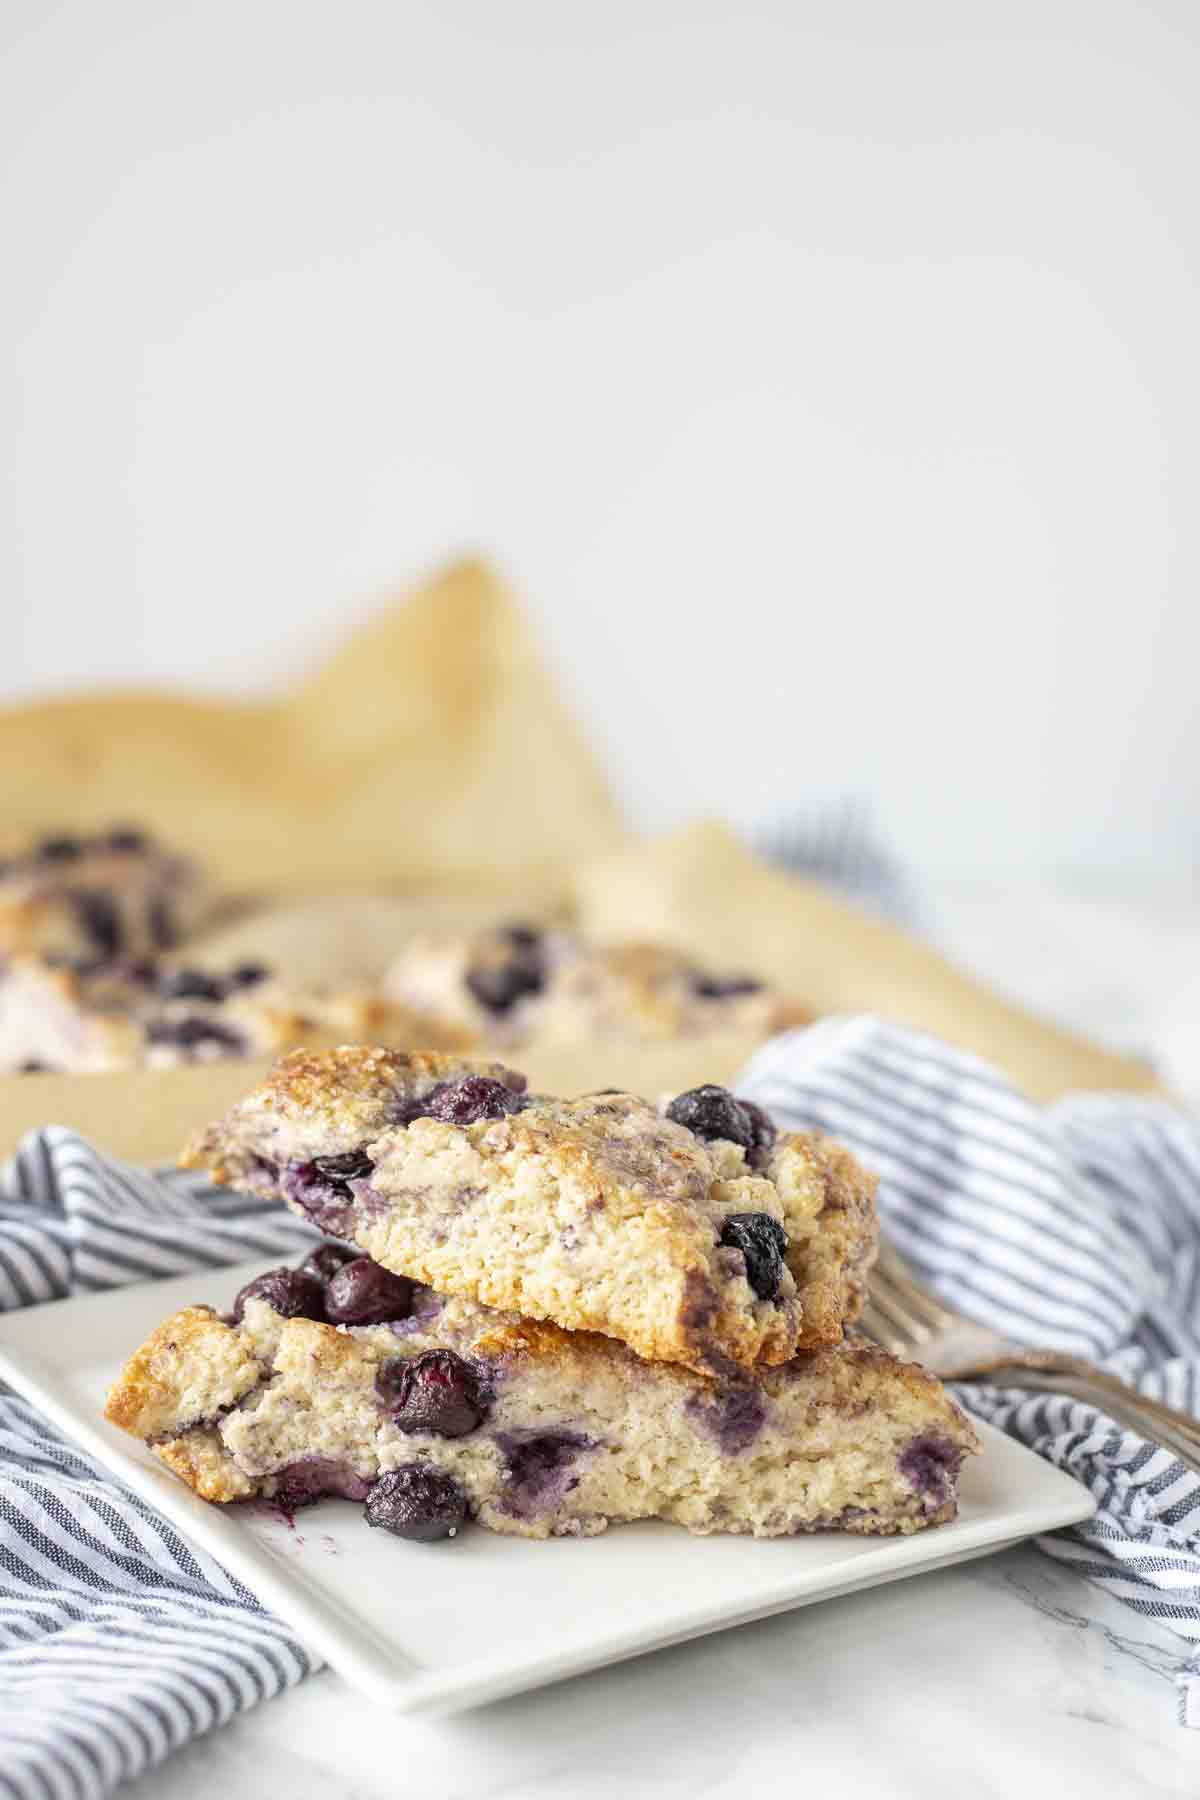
1005,1676
1010,1675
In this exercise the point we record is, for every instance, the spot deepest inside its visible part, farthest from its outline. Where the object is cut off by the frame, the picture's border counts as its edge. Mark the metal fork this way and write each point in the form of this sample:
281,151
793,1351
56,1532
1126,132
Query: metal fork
907,1320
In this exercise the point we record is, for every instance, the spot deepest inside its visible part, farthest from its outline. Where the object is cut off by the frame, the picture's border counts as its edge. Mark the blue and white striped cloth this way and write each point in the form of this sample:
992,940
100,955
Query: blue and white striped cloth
840,844
1072,1227
119,1642
1076,1226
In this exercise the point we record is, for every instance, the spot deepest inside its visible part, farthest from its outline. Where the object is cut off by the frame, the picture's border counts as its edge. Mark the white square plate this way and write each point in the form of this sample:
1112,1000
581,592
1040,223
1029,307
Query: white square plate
434,1627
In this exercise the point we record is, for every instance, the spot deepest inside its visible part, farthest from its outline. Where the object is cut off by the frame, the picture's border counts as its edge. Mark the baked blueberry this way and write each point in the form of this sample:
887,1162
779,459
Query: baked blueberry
724,987
247,974
539,1467
417,1502
435,1392
325,1260
931,1463
60,849
160,922
764,1244
191,984
499,986
337,1172
762,1127
712,1113
522,936
470,1098
100,917
363,1293
311,1478
291,1293
194,1032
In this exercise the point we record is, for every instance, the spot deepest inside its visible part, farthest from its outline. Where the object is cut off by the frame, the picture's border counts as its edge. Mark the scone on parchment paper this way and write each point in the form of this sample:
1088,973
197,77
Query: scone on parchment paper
450,1411
699,1237
147,1013
98,896
522,984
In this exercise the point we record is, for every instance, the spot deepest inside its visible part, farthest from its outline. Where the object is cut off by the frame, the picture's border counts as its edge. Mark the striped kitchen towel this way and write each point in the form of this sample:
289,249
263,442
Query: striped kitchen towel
1078,1226
1073,1227
839,842
118,1641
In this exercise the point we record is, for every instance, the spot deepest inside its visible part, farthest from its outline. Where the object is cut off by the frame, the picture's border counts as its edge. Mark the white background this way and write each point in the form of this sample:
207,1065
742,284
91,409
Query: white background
826,379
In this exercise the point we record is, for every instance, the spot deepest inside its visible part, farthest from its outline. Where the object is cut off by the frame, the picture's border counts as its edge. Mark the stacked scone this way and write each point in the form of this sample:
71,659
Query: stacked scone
547,1315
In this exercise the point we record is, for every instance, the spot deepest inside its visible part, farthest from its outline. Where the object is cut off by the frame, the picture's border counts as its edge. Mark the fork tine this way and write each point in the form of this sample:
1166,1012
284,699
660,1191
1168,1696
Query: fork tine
875,1326
891,1268
904,1324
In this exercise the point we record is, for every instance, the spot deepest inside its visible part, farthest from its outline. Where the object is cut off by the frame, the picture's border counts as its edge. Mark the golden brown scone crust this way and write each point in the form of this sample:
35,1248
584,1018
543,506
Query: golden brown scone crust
200,1460
193,1367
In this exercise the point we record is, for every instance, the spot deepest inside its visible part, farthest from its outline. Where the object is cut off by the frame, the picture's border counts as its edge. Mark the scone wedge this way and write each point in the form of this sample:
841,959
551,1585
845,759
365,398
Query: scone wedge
454,1412
699,1236
518,984
143,1012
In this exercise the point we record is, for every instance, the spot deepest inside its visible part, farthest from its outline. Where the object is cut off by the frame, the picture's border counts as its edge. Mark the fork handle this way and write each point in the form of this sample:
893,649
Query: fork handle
1050,1371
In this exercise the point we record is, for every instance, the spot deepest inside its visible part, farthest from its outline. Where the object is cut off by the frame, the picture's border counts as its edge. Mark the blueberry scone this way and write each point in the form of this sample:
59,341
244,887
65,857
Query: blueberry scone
94,898
518,984
696,1234
139,1012
340,1378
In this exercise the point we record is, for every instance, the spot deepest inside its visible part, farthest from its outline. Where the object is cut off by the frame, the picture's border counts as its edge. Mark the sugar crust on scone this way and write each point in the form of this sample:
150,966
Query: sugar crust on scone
596,1214
578,1432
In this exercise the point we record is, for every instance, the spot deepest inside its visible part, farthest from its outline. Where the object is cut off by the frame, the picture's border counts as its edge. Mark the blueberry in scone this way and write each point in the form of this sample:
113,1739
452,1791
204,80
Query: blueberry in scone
599,1213
453,1411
